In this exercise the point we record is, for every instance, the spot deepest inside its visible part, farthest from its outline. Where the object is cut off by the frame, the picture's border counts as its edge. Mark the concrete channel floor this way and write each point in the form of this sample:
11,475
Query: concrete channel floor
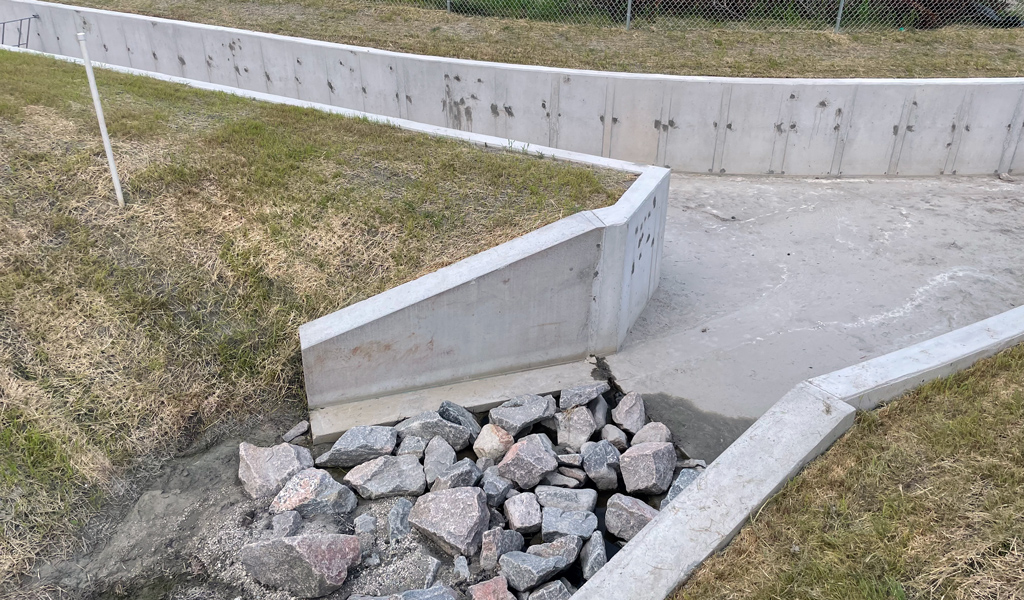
767,282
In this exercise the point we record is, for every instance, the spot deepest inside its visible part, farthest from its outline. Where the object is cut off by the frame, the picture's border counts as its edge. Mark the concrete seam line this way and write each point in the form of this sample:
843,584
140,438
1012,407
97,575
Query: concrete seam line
797,428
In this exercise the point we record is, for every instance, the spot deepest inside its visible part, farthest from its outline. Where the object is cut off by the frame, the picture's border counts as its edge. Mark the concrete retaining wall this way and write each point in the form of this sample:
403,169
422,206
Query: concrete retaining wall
815,127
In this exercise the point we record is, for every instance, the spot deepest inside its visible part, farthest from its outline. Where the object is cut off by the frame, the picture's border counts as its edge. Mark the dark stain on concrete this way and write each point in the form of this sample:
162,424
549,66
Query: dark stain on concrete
700,434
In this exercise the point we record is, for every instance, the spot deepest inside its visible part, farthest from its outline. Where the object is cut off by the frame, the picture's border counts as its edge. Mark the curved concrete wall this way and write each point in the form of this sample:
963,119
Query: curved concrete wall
815,127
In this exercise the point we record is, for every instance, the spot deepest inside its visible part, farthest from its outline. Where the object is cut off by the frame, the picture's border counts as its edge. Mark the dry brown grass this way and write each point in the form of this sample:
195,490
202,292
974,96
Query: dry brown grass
724,50
125,332
921,499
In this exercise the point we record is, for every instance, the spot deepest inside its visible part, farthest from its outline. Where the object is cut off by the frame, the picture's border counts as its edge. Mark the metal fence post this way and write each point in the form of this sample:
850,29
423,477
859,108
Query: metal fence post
449,5
629,12
839,15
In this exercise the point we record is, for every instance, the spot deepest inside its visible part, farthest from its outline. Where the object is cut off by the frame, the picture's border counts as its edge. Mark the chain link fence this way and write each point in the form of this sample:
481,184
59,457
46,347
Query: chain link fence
836,15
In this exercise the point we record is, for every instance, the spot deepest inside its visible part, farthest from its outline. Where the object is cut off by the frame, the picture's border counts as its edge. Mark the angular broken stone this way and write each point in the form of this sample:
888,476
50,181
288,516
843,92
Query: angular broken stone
300,428
583,500
685,478
523,513
432,571
358,445
570,460
566,547
495,486
593,556
630,414
434,592
461,568
307,566
554,590
626,516
497,541
437,458
521,412
615,436
314,491
286,524
497,519
493,442
525,571
581,394
601,462
492,589
691,463
398,519
454,519
388,476
578,474
366,531
542,440
412,445
264,471
599,408
484,463
647,468
557,523
575,427
428,425
526,462
557,479
652,432
450,411
462,474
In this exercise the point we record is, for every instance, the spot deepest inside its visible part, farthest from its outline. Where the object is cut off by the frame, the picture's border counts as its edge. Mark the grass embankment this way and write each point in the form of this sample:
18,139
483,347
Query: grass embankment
728,50
921,499
122,331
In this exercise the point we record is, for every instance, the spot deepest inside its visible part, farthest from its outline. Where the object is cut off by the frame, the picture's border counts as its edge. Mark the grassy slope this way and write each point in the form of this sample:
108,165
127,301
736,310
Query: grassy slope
948,52
121,330
921,499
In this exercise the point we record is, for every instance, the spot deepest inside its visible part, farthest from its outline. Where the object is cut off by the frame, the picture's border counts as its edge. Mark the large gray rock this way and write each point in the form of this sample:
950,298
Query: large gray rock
601,462
454,519
493,442
577,474
647,468
398,519
570,460
652,432
523,513
583,500
566,547
630,414
557,523
492,589
286,524
496,542
412,445
450,411
526,571
307,566
264,471
495,486
438,457
388,476
581,394
435,592
557,479
462,474
553,590
366,530
615,436
685,478
526,462
626,516
520,412
430,424
593,555
575,427
358,445
599,408
314,491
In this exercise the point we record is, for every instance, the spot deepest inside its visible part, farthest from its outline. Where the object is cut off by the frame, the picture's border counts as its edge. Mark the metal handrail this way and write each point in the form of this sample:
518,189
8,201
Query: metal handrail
27,31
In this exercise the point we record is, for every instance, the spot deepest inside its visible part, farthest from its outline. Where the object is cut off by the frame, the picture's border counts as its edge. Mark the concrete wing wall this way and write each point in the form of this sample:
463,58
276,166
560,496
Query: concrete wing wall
810,127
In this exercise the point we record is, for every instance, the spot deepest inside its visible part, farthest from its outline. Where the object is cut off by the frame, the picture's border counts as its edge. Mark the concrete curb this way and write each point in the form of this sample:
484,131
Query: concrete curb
796,429
805,127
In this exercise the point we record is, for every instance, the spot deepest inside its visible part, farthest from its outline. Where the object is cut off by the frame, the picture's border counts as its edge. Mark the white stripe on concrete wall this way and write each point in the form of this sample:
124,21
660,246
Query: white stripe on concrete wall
807,127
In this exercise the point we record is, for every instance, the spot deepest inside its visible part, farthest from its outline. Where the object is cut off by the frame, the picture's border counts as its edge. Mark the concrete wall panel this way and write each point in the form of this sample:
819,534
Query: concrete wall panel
828,127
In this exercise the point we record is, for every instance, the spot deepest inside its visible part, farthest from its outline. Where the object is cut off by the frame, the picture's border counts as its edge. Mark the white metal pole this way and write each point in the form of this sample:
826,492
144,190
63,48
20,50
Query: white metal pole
103,124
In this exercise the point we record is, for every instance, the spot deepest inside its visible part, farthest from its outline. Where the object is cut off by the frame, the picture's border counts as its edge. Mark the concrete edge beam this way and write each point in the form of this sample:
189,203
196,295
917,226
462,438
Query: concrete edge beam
868,384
